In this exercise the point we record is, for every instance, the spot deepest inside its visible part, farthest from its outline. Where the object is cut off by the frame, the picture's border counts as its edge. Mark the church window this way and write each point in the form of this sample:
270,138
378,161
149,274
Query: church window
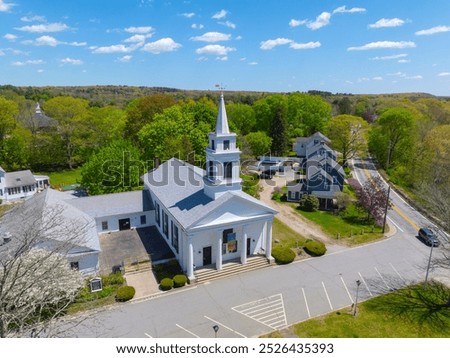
226,145
213,146
211,169
228,170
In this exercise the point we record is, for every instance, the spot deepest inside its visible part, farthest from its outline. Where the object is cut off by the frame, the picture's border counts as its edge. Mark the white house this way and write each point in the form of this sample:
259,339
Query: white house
20,185
205,216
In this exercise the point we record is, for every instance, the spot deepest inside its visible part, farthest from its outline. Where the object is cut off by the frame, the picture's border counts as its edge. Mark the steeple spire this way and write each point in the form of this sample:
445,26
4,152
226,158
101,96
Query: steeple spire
222,120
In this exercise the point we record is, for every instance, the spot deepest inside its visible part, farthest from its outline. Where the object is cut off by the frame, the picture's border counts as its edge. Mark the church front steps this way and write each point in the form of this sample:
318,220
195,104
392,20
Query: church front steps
230,269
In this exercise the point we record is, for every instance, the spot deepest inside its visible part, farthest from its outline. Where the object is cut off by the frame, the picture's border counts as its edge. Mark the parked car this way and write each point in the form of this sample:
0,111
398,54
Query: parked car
428,237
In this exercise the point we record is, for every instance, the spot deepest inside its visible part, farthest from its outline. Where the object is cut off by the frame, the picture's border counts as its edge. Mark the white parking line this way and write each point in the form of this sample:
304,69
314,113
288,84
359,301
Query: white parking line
306,303
379,274
149,336
365,284
186,330
398,273
395,224
346,289
230,329
328,298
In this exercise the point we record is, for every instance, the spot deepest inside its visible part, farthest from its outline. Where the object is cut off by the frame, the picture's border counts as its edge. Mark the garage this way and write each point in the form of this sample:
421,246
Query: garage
124,224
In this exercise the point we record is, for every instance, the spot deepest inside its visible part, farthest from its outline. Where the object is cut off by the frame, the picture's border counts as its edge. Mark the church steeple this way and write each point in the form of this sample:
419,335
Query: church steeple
222,158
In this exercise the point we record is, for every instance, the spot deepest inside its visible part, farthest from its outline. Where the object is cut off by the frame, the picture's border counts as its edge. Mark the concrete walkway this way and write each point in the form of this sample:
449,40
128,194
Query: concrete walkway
144,282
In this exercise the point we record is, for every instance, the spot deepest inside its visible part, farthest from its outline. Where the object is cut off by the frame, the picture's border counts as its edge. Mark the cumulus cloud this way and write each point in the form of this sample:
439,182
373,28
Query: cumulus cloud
390,57
139,29
212,37
51,41
10,37
223,58
33,18
305,46
71,61
220,14
383,44
344,10
217,50
228,24
197,26
295,23
42,28
5,7
395,22
113,49
188,14
166,44
138,38
322,20
270,44
126,58
29,62
433,30
444,74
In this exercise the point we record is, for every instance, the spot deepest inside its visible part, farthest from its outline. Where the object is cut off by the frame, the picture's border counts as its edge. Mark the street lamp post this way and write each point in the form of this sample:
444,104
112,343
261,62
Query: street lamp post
216,329
429,264
358,283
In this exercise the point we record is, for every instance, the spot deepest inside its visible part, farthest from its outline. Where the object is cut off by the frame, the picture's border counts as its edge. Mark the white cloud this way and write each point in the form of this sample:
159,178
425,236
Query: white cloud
344,10
29,62
33,18
444,74
2,53
139,29
395,22
270,44
220,14
404,61
41,28
188,14
202,59
433,30
10,37
197,26
390,57
136,39
71,61
126,58
46,41
113,49
5,7
228,24
217,50
295,23
239,37
382,45
377,78
417,77
163,45
305,46
40,70
212,37
322,20
223,58
253,63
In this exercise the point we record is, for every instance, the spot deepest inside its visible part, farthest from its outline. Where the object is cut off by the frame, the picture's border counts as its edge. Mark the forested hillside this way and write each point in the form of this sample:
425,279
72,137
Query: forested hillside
108,129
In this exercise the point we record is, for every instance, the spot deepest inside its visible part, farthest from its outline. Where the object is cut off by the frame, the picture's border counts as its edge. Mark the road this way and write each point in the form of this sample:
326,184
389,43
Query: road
258,302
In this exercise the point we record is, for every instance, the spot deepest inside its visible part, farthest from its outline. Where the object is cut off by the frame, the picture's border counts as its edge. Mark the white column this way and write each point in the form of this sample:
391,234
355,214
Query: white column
244,247
269,240
190,259
219,251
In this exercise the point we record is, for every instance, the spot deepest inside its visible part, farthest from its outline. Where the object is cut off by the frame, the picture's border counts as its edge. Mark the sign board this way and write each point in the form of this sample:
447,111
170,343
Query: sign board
96,284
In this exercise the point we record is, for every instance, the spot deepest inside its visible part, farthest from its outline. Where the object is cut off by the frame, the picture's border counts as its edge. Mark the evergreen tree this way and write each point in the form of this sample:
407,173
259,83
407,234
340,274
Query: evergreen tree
278,133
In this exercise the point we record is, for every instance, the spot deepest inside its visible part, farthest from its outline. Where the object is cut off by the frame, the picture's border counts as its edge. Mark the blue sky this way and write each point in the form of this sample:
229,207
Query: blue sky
364,46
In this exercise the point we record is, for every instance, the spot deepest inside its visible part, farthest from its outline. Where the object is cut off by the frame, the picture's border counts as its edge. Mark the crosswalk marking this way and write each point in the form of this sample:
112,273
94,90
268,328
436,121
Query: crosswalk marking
268,311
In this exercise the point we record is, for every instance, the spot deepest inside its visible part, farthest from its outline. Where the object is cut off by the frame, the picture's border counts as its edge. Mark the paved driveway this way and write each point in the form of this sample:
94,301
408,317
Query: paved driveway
131,245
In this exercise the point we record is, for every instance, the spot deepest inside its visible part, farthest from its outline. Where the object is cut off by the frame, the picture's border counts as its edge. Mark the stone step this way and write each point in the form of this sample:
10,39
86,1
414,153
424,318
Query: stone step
230,269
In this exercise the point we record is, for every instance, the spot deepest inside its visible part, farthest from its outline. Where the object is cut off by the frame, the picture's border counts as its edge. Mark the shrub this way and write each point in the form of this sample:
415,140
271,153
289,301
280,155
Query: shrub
179,280
166,284
114,279
283,255
125,293
309,203
315,248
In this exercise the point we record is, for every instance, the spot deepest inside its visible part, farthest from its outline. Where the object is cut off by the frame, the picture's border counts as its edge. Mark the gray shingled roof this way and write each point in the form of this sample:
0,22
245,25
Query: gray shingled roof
114,204
20,178
179,187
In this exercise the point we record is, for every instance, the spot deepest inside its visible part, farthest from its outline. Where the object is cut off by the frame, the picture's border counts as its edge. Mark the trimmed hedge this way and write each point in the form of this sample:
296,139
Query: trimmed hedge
179,280
113,279
125,293
283,255
166,284
315,248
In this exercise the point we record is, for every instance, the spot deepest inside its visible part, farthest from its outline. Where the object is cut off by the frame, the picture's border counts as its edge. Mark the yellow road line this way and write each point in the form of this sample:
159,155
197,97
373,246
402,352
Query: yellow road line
395,208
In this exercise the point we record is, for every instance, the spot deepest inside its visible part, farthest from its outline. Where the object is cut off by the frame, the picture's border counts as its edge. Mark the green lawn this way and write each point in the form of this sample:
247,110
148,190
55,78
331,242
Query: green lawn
64,177
351,228
286,236
372,321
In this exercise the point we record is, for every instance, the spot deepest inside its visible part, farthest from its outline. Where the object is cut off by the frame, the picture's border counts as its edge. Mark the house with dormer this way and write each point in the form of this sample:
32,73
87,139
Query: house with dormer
321,175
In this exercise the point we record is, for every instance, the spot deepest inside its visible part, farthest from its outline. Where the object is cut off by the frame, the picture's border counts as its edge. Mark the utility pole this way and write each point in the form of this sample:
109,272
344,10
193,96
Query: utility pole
386,208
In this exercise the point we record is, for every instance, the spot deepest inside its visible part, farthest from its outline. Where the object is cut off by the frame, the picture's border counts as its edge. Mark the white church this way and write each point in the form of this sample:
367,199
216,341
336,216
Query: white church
205,216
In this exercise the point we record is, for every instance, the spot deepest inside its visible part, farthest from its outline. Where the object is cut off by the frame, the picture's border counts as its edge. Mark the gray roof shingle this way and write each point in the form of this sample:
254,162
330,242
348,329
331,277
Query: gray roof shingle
20,178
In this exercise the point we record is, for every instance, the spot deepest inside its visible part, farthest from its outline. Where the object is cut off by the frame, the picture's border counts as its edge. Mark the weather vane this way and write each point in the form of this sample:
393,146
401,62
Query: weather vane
220,86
